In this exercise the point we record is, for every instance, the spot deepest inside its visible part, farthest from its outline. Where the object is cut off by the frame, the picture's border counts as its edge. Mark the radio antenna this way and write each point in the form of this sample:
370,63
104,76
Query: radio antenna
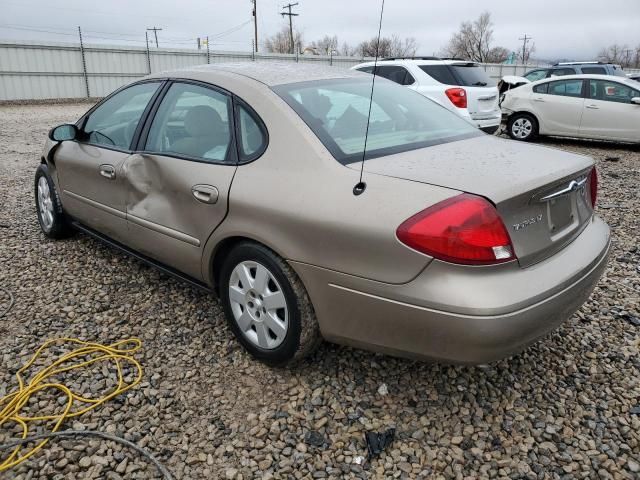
361,186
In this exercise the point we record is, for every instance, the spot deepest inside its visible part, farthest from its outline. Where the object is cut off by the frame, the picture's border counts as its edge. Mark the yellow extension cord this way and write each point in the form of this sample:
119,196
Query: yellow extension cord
119,353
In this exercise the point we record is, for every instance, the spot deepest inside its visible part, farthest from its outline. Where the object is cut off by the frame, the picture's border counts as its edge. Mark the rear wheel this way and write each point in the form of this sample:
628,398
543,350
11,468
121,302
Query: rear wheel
51,217
522,126
266,305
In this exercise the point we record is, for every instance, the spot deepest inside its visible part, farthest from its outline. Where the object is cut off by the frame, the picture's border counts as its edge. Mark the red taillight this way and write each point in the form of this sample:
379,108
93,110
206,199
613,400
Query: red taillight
593,186
458,97
463,229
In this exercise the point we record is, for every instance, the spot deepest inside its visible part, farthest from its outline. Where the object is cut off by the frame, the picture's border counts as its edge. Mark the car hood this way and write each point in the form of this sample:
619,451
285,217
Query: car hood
495,168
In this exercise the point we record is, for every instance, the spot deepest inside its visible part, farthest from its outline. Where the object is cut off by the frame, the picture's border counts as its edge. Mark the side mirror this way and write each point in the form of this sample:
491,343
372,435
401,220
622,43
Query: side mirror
636,100
66,131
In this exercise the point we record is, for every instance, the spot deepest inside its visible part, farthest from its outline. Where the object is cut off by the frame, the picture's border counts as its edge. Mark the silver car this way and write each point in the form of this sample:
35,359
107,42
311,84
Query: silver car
414,234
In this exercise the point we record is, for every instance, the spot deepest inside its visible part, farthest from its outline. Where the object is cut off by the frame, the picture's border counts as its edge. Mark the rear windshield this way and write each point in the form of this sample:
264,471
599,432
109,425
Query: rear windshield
401,119
460,74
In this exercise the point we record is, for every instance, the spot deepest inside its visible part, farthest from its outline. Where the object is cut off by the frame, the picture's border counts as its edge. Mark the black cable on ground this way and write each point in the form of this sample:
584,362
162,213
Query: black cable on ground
93,433
11,301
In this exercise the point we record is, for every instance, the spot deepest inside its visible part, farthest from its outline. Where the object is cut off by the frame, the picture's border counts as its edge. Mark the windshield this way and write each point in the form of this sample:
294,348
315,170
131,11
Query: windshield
401,119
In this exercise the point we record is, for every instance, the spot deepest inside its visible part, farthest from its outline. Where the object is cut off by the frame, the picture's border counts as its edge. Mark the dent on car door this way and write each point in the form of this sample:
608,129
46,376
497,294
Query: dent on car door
559,108
91,185
178,184
609,113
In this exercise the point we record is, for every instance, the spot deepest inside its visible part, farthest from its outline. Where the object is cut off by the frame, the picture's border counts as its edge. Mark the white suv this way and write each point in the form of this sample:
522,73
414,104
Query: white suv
460,86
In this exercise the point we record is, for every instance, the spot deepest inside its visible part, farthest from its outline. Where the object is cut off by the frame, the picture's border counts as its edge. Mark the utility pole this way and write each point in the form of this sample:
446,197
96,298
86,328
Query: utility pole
290,15
155,32
525,40
255,24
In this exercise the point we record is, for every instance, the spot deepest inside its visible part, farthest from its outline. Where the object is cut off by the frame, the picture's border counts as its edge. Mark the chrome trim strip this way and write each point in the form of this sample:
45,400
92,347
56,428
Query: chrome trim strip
98,205
571,187
170,232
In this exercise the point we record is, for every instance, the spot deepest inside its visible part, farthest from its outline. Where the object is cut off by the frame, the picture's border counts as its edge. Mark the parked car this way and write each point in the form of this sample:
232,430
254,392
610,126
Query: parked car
252,182
574,68
634,76
586,106
460,86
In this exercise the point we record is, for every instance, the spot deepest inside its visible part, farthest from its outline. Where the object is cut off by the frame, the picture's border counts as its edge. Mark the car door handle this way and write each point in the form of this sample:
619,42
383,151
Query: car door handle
108,171
205,193
538,99
593,107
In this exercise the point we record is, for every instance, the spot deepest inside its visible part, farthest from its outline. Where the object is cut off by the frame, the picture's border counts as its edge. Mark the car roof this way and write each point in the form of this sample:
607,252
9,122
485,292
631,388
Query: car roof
268,73
415,61
586,76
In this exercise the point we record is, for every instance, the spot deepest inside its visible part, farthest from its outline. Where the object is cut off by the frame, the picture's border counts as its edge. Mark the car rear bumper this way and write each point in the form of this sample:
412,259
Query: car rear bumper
459,314
489,122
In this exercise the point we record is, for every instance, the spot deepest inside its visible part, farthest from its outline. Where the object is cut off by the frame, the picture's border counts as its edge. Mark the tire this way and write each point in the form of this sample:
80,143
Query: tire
272,334
51,217
522,126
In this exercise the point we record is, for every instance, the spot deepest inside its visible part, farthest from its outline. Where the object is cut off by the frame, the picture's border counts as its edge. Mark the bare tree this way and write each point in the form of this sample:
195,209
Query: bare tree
473,40
613,54
325,45
280,41
497,55
347,50
388,47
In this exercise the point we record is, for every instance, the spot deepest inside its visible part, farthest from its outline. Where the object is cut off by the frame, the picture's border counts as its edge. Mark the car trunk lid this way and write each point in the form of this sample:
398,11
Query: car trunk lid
525,182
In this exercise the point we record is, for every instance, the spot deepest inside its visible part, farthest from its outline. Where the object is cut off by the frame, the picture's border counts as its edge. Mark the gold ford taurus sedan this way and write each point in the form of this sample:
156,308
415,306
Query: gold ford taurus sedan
413,233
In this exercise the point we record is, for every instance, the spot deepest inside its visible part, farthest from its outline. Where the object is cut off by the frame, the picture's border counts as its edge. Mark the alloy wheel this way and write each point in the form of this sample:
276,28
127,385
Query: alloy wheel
258,304
522,128
45,203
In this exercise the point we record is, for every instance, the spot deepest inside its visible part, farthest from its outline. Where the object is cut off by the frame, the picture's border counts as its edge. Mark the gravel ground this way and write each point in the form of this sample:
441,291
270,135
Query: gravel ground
568,407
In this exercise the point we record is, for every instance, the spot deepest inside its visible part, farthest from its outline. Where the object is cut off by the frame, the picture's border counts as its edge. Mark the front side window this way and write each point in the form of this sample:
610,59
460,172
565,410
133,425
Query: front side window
114,122
566,88
192,121
611,91
536,75
401,119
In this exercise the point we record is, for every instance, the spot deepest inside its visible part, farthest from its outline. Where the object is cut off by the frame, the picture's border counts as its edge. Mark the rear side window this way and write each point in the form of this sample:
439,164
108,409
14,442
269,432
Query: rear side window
459,74
395,73
251,135
594,70
566,88
561,72
192,121
542,88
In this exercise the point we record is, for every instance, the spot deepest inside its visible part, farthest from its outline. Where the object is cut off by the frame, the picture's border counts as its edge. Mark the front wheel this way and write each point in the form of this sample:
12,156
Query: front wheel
51,217
522,126
267,306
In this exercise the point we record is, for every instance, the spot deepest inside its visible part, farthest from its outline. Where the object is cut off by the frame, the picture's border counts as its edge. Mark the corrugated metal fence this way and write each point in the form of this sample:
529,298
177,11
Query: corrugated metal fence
32,71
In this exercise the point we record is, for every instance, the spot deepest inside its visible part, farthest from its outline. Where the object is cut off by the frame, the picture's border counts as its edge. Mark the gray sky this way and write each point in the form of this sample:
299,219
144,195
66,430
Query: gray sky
571,29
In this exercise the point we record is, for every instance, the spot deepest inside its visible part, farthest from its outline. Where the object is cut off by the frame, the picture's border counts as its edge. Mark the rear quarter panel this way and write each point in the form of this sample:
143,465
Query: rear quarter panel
298,200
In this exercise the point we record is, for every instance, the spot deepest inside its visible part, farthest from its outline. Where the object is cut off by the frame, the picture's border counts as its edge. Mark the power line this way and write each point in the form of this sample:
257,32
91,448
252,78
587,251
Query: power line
290,15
